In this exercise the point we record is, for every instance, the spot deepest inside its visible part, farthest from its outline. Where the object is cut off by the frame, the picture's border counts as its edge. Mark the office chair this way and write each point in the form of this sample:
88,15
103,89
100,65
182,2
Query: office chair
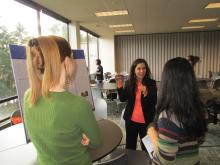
202,84
216,84
119,159
112,94
16,117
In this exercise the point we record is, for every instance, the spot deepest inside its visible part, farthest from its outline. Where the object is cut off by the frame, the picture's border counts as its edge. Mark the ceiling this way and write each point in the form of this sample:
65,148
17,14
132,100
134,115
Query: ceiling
147,16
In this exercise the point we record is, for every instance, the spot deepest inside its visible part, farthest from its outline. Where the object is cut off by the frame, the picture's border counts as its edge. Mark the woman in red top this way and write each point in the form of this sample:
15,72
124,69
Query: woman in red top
141,95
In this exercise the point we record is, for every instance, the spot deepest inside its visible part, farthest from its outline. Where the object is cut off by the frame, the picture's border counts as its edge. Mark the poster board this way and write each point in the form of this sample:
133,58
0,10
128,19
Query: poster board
79,86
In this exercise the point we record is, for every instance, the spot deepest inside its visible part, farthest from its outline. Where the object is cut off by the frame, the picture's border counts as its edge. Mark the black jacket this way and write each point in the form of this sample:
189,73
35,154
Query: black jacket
148,103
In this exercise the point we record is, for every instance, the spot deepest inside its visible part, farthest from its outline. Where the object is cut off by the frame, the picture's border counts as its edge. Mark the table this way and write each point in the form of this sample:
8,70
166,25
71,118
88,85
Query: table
12,136
111,138
26,154
208,94
105,86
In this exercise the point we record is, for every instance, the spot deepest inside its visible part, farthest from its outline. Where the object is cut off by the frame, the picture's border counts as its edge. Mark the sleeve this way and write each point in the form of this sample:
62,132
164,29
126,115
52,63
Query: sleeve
88,125
123,93
152,93
167,142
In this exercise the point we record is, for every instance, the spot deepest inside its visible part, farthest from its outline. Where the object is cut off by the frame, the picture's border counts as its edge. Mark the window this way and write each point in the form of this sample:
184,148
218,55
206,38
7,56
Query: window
84,45
93,52
13,30
89,43
19,23
52,26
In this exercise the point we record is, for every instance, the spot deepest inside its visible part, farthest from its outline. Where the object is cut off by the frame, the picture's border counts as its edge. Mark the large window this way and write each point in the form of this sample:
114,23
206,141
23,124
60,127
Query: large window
84,44
52,26
93,52
19,23
89,43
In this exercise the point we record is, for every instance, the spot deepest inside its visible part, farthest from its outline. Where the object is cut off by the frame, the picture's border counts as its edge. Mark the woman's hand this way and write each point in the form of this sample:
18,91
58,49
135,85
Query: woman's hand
119,80
144,90
85,140
153,134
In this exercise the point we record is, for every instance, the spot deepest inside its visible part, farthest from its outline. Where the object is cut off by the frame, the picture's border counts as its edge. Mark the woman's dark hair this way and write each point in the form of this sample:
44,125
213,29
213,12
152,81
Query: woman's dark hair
98,62
179,96
133,77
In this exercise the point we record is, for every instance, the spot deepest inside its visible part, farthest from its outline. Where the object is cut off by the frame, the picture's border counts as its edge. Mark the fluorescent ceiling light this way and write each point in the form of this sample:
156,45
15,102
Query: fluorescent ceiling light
124,31
213,5
192,27
203,20
121,25
112,13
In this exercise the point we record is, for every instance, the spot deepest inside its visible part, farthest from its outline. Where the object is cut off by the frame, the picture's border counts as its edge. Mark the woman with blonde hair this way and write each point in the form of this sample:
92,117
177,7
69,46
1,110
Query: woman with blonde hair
55,118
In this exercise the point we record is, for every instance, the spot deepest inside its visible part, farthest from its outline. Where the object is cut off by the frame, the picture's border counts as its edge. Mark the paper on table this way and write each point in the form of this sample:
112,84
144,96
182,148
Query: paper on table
148,144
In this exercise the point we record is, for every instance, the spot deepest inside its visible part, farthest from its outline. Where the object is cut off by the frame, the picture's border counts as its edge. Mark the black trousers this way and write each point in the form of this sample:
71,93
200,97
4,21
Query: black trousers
134,129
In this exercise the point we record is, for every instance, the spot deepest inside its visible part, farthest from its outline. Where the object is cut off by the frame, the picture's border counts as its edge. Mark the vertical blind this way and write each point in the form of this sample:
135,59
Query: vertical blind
156,49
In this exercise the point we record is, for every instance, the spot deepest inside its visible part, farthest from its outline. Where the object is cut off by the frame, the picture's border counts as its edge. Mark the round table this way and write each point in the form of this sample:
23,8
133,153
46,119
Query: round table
111,137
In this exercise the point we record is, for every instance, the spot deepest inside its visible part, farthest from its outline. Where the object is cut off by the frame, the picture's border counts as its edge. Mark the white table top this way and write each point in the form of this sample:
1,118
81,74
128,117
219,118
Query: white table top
12,136
26,154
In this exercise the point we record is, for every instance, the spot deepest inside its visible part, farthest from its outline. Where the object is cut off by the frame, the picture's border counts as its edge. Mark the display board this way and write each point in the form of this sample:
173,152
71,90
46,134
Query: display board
79,86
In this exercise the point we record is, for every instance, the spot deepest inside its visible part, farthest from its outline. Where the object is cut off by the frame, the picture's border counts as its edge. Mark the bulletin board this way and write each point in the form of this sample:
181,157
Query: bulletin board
79,86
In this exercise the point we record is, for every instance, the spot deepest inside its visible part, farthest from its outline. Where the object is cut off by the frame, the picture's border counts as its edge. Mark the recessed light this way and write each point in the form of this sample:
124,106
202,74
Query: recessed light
212,5
112,13
192,27
124,31
203,20
120,25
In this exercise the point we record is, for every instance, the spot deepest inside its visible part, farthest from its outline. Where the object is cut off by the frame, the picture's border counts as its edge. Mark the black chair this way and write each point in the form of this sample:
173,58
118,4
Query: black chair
202,84
213,109
216,84
117,158
107,75
16,117
112,94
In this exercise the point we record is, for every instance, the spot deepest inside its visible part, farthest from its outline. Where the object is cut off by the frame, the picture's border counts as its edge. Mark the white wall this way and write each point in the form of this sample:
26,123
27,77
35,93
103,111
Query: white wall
107,54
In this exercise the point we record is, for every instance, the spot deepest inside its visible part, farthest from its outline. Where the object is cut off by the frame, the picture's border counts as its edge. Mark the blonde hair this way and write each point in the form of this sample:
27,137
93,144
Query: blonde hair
44,66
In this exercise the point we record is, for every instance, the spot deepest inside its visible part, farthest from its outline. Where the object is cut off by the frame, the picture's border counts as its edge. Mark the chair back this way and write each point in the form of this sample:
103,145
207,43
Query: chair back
216,84
120,159
100,108
16,117
202,84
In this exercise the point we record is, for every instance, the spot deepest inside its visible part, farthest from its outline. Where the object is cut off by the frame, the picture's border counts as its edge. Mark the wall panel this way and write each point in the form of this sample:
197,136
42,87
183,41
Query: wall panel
158,48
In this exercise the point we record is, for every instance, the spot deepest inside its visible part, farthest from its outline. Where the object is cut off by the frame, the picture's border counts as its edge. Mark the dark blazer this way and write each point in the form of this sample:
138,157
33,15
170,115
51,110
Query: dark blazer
128,93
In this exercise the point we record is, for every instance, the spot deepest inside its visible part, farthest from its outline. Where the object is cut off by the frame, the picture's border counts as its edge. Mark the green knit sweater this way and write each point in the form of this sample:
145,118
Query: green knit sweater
55,126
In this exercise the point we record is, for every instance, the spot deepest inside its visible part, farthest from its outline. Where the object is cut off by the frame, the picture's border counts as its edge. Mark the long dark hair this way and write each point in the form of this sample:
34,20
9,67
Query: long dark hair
179,96
133,77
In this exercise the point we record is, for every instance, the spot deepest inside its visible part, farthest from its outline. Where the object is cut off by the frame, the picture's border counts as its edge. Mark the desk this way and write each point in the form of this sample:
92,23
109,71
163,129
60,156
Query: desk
26,154
105,86
12,136
111,138
208,94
